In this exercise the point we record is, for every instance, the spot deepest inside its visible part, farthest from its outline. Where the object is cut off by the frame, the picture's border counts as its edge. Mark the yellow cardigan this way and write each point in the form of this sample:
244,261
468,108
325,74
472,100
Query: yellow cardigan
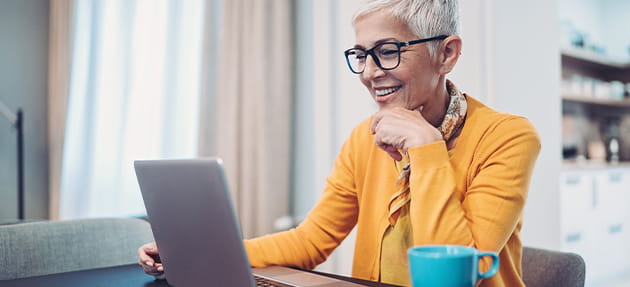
471,195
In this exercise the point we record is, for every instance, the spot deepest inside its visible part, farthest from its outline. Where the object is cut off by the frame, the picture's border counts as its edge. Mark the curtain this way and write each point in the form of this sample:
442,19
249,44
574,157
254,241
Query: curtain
133,94
159,79
251,107
60,55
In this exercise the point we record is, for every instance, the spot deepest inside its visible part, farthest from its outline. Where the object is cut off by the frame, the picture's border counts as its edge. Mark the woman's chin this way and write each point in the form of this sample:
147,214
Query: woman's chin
392,105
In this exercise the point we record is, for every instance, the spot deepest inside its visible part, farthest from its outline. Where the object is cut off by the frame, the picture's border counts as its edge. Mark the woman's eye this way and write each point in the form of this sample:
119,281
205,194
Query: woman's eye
357,56
388,52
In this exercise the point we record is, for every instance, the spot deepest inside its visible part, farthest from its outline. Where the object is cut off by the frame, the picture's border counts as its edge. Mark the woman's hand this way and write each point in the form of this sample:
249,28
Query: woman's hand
149,259
397,129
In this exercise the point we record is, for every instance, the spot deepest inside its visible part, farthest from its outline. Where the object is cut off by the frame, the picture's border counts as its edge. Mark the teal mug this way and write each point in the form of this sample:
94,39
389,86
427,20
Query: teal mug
448,265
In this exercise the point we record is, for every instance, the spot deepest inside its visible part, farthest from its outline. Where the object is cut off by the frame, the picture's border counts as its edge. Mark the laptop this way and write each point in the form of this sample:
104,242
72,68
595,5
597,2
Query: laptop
195,227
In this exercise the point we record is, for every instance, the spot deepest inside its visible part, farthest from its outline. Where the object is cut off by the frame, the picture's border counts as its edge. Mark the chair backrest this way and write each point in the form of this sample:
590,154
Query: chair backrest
47,247
543,268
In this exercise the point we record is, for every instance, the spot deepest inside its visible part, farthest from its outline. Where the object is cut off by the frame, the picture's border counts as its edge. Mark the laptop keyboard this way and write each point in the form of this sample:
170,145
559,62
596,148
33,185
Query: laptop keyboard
260,281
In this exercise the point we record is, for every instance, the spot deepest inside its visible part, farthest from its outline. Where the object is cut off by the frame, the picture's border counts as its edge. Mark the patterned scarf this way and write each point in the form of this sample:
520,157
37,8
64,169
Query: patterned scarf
453,120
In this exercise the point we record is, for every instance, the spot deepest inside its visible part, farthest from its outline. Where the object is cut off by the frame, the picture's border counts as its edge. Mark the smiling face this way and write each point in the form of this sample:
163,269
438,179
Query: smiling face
415,82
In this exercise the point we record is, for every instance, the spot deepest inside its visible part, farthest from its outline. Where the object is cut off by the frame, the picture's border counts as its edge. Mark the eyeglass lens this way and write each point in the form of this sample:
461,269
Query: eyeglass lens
387,57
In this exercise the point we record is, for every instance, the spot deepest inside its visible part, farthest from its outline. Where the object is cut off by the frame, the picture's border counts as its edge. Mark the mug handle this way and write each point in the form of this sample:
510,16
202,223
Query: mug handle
493,269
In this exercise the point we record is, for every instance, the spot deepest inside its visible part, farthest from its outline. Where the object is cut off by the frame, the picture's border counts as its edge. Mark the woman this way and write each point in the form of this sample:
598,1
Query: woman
432,166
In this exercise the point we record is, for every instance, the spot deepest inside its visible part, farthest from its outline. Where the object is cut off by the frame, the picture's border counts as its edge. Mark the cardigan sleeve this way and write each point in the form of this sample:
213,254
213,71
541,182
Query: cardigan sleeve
485,212
324,228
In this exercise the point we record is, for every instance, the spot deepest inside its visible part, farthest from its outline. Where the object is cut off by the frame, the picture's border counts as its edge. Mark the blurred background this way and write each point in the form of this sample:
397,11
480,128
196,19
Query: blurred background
264,85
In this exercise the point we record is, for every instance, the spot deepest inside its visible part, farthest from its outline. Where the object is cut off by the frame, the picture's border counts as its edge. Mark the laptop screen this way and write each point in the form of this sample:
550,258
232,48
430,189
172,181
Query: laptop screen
194,224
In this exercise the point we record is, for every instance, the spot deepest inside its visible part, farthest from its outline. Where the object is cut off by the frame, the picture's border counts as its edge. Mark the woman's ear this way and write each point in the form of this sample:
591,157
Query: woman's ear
449,51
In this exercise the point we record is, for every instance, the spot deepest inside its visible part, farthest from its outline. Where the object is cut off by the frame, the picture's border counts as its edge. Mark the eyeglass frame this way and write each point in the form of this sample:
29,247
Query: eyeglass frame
377,61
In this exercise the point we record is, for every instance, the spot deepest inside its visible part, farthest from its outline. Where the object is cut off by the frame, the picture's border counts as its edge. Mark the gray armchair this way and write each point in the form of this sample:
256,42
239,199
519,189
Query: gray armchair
47,247
542,268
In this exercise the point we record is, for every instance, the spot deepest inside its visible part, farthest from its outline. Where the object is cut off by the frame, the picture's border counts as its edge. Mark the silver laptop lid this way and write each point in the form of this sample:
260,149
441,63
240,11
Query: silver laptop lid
181,196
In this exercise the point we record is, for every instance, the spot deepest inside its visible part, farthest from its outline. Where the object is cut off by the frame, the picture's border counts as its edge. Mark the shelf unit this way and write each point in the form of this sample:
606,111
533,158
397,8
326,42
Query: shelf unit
594,116
593,193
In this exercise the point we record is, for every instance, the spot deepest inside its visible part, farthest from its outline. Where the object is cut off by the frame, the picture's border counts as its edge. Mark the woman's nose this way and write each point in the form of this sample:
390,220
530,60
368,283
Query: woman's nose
372,70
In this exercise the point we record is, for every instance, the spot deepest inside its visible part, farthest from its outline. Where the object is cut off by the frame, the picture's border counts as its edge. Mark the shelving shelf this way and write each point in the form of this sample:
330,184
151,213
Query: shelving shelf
591,64
612,103
592,165
593,59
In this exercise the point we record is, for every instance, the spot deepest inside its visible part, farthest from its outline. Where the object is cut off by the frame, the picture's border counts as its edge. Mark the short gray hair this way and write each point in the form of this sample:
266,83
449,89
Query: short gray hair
425,18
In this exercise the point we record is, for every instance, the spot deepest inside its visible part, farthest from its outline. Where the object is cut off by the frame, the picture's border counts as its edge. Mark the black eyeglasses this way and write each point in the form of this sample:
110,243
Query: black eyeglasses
386,55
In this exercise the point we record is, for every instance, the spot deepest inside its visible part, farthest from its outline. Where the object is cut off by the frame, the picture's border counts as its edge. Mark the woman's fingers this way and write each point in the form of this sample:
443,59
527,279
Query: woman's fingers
145,252
391,150
147,255
399,129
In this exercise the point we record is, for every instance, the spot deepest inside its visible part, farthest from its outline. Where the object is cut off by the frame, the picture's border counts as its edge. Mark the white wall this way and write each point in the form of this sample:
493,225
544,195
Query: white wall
604,22
585,16
616,23
508,62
